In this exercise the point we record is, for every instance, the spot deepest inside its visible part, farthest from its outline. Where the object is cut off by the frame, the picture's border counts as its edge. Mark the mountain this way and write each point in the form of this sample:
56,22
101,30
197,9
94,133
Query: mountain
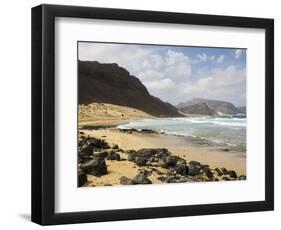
198,109
216,106
109,83
242,109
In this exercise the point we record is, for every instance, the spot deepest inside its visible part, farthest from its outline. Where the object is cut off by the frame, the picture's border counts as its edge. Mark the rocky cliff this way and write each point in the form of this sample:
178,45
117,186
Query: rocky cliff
109,83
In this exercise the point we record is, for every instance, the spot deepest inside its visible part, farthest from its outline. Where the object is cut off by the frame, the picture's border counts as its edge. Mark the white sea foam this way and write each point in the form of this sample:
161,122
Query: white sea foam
228,130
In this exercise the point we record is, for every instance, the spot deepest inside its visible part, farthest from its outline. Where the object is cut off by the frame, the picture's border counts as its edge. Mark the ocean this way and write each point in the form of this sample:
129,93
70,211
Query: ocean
217,129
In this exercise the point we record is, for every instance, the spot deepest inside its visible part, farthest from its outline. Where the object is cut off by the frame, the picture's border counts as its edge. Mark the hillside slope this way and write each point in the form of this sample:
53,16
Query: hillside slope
218,107
109,83
198,109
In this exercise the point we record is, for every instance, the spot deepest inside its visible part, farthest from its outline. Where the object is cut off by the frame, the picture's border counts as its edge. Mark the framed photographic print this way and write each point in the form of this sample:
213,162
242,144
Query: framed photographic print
142,114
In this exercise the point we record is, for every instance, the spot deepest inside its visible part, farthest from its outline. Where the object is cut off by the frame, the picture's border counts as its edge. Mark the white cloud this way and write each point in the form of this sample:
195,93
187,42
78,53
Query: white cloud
168,74
166,89
220,59
163,84
200,58
150,75
237,53
133,58
219,83
138,60
177,65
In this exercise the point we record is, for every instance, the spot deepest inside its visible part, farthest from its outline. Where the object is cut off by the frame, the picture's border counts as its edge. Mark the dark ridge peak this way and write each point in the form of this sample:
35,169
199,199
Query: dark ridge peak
109,83
88,66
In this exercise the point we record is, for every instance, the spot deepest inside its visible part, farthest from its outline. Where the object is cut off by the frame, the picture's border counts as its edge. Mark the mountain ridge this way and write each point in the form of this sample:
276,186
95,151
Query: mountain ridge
109,83
218,107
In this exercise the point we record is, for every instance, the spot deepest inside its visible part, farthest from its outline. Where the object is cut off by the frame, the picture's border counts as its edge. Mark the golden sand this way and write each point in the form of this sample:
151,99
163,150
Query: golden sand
213,156
108,114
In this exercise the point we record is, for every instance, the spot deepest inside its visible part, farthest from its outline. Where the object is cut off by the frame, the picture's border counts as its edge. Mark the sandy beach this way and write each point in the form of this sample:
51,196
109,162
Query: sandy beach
215,157
99,121
178,145
108,114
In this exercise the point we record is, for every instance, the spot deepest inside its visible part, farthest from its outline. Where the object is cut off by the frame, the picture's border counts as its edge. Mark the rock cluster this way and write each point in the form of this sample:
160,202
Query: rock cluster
93,154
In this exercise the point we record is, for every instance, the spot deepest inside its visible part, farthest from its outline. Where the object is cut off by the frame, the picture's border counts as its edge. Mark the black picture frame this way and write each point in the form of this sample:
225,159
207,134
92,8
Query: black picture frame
43,114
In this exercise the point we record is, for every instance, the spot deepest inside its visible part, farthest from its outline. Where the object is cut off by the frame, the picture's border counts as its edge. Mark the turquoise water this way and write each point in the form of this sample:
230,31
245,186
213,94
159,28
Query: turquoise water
223,130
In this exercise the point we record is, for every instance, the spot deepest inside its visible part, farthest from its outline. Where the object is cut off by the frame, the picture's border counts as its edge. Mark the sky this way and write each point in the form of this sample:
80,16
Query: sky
177,73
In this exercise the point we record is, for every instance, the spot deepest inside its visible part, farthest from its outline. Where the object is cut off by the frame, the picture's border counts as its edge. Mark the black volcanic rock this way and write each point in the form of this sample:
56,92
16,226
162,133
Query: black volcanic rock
109,83
95,167
82,178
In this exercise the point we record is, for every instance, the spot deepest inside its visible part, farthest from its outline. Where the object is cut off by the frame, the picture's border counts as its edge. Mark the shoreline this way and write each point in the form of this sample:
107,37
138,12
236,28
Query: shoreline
121,170
193,140
108,155
215,155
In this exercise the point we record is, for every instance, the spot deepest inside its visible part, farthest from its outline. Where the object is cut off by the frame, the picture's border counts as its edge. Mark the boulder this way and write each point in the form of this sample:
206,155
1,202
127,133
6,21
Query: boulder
226,178
141,179
232,174
147,152
242,177
126,181
224,170
194,163
82,178
102,154
148,131
219,172
171,160
87,149
83,156
113,156
163,164
147,155
140,161
205,166
95,167
131,155
151,152
208,173
182,169
115,147
153,159
193,170
181,161
98,143
161,153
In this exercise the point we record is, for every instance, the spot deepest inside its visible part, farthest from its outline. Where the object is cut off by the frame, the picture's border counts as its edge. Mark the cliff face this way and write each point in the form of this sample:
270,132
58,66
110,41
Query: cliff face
109,83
